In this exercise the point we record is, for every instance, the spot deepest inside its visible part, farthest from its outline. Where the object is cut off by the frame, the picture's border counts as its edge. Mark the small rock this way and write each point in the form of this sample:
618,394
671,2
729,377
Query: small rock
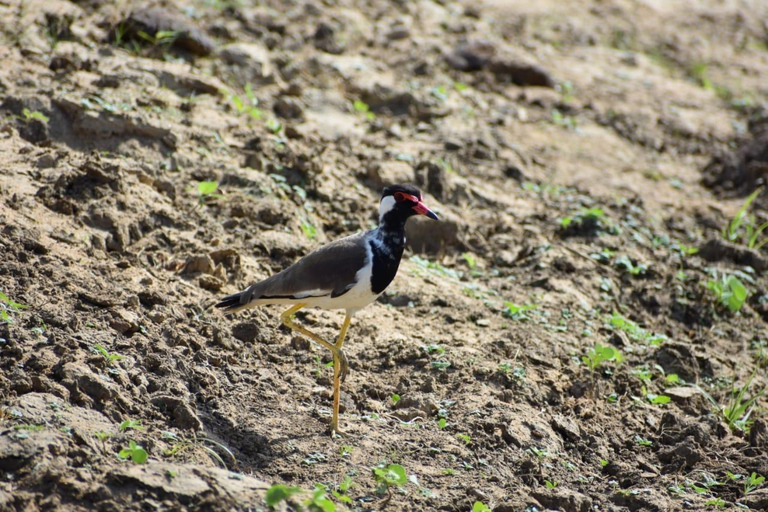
382,174
471,56
46,161
125,322
563,499
520,72
288,108
566,427
245,331
212,283
159,19
682,392
199,264
254,56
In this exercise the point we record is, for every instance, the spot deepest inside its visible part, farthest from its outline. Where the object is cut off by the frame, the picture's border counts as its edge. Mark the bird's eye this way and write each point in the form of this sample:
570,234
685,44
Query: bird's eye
399,197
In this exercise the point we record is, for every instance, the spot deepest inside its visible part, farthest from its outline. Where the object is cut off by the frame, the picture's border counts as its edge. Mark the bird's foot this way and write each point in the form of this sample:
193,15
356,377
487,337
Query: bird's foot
336,432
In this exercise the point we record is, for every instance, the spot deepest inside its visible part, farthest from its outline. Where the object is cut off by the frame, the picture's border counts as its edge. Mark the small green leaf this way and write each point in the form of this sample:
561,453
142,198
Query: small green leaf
278,493
206,188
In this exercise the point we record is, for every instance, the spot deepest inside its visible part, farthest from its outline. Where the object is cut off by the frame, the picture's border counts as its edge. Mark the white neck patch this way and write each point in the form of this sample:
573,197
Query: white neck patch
386,205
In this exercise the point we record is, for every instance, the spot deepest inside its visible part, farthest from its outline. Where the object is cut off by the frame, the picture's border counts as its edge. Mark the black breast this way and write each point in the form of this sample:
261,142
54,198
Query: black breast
387,253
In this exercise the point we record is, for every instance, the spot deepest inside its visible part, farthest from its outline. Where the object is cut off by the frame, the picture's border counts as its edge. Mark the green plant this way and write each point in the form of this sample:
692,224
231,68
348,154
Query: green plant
345,450
111,358
395,398
274,125
278,493
470,259
643,441
743,226
620,323
207,190
308,229
389,476
342,489
29,115
134,452
715,502
599,355
479,506
737,413
729,291
567,122
625,263
362,107
131,424
6,304
465,438
587,221
752,482
550,484
319,502
249,107
517,311
163,38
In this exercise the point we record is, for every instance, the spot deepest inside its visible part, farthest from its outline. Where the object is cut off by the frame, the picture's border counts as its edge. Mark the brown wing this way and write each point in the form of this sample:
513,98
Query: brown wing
329,270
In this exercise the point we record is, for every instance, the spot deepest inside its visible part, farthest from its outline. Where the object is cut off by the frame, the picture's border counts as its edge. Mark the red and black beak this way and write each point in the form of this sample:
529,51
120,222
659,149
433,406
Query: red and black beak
422,209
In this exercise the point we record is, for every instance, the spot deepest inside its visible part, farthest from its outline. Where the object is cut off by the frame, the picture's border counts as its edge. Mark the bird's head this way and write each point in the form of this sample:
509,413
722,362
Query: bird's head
403,201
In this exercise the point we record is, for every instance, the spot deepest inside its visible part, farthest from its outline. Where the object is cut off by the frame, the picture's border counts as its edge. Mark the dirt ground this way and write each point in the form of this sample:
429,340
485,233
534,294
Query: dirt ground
584,157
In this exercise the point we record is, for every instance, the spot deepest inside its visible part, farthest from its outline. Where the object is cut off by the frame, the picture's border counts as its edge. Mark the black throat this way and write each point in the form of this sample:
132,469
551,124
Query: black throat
387,243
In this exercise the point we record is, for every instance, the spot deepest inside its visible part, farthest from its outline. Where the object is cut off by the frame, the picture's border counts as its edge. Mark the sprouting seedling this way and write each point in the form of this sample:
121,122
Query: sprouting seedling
111,358
550,484
729,291
274,125
752,482
207,190
131,425
470,259
164,38
319,500
342,489
517,311
479,506
623,262
278,493
744,226
389,476
134,452
6,304
395,398
308,229
643,441
363,108
598,355
249,107
29,115
465,438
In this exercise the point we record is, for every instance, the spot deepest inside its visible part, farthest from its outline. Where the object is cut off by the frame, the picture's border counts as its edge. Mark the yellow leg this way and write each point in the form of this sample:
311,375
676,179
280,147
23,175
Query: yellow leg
340,369
339,359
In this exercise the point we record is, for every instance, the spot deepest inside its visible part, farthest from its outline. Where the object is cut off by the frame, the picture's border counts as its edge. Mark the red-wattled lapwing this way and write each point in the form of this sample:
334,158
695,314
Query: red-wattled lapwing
348,274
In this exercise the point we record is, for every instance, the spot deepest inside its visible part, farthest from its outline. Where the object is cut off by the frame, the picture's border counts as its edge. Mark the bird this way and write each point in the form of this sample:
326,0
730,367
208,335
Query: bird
348,273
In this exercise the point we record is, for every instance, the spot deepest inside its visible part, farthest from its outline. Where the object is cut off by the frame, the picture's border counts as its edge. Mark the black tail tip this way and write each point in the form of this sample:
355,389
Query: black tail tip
230,302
